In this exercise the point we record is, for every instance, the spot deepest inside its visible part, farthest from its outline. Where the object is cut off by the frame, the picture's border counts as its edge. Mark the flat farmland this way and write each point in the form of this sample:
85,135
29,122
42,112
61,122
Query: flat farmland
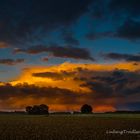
70,127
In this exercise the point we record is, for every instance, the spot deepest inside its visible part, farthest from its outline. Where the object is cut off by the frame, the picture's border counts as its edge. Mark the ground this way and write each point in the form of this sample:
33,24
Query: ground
70,127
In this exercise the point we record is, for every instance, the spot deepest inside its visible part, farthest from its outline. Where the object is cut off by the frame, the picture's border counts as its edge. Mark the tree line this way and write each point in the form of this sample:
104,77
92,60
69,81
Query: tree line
44,109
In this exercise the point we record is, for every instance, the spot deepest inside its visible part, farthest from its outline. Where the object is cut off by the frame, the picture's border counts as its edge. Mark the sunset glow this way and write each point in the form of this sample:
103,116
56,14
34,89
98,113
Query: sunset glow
68,53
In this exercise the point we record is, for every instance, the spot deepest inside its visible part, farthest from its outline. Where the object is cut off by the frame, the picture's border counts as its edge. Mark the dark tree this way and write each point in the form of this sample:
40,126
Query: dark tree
29,109
38,109
86,109
44,109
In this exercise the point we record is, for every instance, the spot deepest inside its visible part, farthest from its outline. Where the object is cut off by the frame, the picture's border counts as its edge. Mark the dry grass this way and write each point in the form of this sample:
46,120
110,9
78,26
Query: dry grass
68,127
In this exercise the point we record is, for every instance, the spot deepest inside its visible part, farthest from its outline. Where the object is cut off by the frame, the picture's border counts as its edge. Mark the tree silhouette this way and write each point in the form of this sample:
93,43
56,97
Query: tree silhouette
38,109
44,109
86,109
28,109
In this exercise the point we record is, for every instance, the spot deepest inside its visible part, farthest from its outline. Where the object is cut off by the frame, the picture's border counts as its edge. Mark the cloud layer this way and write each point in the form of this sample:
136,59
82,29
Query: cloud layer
126,57
35,16
105,87
58,51
11,61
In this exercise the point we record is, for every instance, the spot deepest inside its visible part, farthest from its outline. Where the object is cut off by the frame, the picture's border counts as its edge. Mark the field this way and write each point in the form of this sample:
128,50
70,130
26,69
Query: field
70,127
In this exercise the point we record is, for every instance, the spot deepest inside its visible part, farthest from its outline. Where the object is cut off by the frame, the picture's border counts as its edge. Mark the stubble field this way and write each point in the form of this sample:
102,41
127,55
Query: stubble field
70,127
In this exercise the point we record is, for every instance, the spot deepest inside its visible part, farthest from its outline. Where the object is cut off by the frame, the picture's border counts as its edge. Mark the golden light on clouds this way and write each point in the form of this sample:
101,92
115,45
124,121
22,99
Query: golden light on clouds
68,82
68,76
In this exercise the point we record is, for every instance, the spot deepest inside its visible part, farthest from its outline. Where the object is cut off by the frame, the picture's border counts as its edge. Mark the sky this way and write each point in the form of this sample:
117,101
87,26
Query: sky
68,53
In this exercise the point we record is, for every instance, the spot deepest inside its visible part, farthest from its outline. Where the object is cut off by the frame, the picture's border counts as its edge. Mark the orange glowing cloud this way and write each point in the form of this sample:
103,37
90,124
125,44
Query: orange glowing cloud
104,108
67,82
65,87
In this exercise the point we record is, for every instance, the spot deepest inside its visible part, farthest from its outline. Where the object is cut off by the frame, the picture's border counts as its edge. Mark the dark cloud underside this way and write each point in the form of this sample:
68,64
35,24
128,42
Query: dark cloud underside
59,51
126,57
37,15
11,61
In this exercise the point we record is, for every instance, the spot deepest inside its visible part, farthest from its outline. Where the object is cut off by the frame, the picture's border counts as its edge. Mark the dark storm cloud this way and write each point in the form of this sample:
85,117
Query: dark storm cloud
11,61
129,30
59,51
10,95
116,77
23,21
70,52
32,50
125,14
126,57
117,84
19,19
108,9
130,7
102,84
100,89
24,90
63,96
52,94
